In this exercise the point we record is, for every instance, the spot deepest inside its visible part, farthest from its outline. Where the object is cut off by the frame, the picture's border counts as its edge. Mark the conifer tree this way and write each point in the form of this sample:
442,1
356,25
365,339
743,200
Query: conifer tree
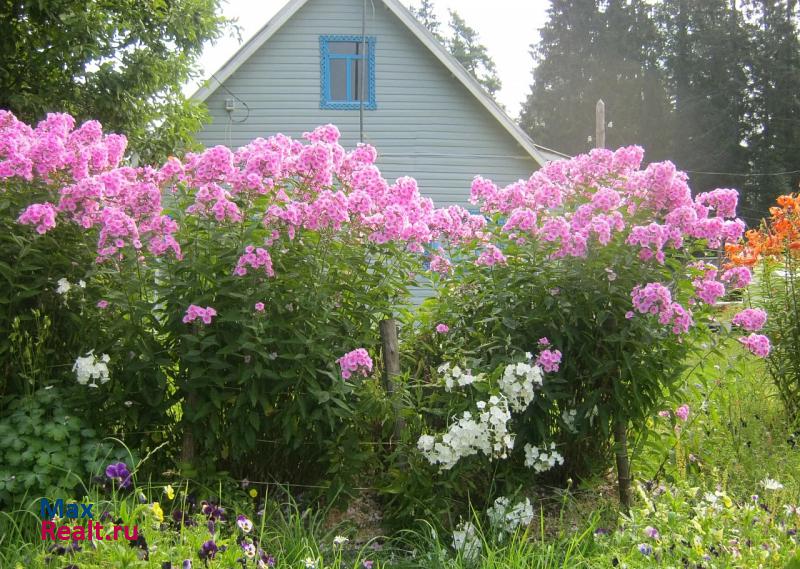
463,43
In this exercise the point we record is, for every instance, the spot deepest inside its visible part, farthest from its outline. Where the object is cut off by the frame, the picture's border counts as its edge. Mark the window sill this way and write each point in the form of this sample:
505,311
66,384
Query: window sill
347,105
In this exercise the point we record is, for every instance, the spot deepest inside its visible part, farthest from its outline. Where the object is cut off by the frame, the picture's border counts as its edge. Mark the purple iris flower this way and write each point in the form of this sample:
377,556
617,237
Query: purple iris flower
645,549
118,471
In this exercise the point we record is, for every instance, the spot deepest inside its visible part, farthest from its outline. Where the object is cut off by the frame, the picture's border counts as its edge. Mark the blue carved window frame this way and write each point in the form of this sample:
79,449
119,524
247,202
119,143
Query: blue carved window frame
325,72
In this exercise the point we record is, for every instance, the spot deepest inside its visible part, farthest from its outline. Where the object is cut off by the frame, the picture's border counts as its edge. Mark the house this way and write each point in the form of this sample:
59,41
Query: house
370,68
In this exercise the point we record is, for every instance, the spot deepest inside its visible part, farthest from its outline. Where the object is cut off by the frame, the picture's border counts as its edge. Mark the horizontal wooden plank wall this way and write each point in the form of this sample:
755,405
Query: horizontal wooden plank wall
426,125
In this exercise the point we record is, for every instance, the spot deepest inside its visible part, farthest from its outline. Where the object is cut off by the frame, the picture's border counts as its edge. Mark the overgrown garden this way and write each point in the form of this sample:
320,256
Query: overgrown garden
195,347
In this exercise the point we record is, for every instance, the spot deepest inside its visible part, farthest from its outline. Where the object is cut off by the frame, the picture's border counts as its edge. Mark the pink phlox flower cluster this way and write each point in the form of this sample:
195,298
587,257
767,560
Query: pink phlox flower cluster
256,258
723,201
213,199
442,328
117,230
325,133
355,362
491,256
160,230
737,277
751,319
440,264
709,291
655,298
43,216
572,203
194,312
549,360
456,224
682,412
56,146
757,344
314,185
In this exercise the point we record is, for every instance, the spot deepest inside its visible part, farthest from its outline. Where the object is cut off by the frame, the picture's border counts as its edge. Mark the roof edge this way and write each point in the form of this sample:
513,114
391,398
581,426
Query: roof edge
248,49
416,28
466,78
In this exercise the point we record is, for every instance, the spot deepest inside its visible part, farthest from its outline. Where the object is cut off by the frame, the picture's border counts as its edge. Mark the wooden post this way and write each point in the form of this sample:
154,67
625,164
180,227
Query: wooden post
188,447
391,365
620,425
600,124
623,463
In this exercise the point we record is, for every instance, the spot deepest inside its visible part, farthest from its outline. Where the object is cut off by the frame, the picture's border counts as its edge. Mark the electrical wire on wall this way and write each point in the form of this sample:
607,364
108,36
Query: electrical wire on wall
230,108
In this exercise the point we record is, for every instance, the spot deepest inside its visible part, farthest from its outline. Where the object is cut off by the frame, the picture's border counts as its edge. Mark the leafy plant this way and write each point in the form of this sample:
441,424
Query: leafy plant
775,250
608,262
46,449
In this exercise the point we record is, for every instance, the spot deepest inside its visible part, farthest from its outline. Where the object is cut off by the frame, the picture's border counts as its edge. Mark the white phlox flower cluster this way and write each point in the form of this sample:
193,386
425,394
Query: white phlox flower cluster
488,433
518,383
505,518
454,375
569,416
64,286
542,459
467,541
90,368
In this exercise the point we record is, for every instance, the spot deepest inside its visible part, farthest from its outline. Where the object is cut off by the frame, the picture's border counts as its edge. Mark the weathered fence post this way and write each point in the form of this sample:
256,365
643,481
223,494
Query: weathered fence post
623,463
600,124
188,446
620,425
391,365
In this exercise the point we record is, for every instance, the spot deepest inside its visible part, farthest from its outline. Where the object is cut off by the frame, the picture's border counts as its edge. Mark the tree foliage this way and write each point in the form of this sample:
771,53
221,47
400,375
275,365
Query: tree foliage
463,43
710,84
117,61
583,56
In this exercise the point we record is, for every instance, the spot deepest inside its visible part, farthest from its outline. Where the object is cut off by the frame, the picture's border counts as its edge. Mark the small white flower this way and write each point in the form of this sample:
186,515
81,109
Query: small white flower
90,367
425,443
540,460
467,540
63,286
81,284
771,484
310,563
340,540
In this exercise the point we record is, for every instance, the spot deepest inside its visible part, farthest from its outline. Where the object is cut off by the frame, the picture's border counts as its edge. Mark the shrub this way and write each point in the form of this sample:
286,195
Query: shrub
227,285
610,264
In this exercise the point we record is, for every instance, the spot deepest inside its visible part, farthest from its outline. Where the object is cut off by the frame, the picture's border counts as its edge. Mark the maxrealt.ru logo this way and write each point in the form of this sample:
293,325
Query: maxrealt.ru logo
84,528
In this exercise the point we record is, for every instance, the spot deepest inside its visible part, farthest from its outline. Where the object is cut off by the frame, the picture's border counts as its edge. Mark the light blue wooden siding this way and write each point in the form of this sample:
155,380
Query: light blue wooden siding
426,125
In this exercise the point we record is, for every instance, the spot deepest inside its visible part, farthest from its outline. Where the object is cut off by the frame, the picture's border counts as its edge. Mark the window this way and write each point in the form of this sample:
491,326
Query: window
348,72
